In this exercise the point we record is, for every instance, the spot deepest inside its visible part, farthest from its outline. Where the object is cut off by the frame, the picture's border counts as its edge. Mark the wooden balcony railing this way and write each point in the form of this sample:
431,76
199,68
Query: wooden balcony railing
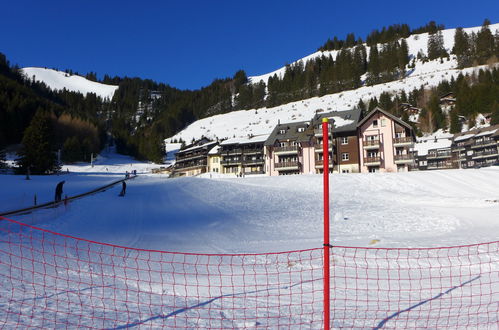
406,139
285,149
287,164
404,157
370,160
371,143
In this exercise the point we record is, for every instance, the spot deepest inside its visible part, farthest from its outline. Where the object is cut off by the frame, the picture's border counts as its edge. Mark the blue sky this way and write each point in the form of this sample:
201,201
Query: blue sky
189,43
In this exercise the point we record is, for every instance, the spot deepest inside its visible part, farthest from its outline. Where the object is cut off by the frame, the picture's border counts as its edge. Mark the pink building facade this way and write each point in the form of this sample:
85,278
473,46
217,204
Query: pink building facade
385,143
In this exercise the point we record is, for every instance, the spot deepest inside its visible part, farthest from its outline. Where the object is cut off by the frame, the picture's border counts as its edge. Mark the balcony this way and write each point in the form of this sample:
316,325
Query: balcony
290,150
439,155
318,132
189,166
403,159
485,154
483,143
320,147
440,166
191,156
370,144
258,161
371,161
230,162
286,166
403,141
252,151
320,163
232,152
254,172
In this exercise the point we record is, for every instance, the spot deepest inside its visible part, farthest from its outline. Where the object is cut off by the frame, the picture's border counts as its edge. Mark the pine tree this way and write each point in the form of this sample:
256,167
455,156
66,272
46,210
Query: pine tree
462,48
2,159
484,43
436,47
38,152
373,67
403,57
455,124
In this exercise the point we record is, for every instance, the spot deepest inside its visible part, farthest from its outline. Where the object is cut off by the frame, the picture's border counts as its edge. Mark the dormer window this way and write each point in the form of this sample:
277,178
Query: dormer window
301,129
282,131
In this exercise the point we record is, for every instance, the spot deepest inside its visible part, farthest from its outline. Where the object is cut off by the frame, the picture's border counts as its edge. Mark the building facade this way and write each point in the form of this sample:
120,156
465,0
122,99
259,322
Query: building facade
476,148
385,143
243,156
193,159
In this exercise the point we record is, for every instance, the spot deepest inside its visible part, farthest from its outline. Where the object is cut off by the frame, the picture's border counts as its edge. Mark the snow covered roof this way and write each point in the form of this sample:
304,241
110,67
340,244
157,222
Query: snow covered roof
198,147
246,140
485,133
214,151
464,137
423,145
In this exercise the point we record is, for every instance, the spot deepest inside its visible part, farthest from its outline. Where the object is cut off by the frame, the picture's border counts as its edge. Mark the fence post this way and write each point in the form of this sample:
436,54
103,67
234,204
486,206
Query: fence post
325,167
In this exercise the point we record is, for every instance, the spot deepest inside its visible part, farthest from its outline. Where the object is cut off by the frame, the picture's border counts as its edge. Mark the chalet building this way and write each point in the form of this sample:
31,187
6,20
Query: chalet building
243,155
193,159
447,102
214,160
477,148
343,141
288,150
411,111
385,143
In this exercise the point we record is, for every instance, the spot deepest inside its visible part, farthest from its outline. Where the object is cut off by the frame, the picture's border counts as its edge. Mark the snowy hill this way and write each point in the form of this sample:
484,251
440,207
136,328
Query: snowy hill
59,80
262,121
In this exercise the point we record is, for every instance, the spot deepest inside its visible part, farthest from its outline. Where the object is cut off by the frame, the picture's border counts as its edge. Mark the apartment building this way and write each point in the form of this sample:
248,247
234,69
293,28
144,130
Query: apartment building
476,148
343,141
243,156
385,143
193,159
214,160
288,150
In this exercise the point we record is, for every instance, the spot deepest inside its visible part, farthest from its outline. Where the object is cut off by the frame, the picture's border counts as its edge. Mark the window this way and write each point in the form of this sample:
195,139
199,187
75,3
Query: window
375,123
294,143
301,129
372,154
344,140
345,156
372,138
373,169
215,159
282,144
282,131
345,171
383,122
398,134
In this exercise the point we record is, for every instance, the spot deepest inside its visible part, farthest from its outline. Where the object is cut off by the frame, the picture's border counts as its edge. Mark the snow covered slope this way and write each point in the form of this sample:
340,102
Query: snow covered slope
59,80
263,120
261,214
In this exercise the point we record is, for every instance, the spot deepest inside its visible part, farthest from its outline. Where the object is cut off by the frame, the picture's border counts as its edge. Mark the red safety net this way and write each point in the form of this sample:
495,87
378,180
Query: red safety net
50,280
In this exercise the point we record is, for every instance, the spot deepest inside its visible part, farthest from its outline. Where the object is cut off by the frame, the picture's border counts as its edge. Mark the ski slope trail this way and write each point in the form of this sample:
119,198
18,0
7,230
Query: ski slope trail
262,214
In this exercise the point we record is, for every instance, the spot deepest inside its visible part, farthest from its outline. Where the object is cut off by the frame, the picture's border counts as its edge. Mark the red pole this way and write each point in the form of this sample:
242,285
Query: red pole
325,157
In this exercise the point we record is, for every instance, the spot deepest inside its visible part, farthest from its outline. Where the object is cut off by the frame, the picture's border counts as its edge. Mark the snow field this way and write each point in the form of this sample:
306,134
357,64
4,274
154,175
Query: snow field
50,280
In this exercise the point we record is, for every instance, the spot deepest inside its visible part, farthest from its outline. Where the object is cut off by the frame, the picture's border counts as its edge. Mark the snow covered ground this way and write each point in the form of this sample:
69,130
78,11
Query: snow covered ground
48,280
58,80
261,214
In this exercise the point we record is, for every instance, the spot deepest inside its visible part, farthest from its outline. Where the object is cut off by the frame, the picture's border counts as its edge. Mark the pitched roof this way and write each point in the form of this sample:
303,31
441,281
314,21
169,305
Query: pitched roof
389,115
287,131
344,121
246,140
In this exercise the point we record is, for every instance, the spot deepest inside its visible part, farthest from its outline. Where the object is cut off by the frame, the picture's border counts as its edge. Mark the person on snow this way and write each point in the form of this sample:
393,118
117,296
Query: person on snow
58,191
123,188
